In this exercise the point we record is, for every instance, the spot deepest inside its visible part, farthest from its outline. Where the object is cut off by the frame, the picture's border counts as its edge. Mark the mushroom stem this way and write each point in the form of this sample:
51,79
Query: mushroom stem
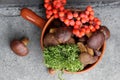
25,41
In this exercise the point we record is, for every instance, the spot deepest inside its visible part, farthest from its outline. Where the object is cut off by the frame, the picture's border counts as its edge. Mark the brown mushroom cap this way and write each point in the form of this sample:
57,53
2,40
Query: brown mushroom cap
19,48
63,34
106,32
86,58
96,40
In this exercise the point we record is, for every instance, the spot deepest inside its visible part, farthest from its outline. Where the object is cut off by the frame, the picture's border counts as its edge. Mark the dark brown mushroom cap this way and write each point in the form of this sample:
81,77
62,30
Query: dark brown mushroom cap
63,34
96,40
106,32
19,48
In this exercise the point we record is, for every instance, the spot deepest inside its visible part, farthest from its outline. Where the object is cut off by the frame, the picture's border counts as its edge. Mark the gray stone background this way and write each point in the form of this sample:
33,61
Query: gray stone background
31,67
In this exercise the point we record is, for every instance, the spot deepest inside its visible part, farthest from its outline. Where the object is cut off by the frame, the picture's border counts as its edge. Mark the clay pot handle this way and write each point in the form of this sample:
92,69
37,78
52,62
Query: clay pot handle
32,17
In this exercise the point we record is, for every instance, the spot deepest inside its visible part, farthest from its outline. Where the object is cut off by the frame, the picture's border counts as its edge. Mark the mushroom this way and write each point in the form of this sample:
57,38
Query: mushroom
106,32
19,47
96,40
70,41
63,34
86,58
50,40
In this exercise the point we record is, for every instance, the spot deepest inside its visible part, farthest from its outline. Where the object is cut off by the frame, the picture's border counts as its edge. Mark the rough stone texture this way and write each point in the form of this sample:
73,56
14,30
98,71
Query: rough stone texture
7,3
31,67
23,3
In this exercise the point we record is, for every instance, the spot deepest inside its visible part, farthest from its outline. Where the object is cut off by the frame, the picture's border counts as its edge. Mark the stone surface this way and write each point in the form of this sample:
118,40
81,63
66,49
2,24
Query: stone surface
7,3
40,2
31,67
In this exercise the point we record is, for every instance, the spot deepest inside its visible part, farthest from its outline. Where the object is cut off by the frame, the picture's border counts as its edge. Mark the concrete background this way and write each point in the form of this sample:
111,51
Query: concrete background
37,2
31,67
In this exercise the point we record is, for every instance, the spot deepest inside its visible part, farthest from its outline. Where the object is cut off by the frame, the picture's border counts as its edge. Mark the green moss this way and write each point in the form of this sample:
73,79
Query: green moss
63,57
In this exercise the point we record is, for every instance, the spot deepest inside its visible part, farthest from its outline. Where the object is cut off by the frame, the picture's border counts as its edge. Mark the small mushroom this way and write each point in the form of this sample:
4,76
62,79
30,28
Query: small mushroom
50,40
106,32
90,51
19,47
82,47
86,58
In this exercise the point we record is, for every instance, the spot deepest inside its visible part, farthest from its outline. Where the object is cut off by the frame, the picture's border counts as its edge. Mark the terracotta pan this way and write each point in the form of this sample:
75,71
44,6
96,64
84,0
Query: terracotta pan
42,24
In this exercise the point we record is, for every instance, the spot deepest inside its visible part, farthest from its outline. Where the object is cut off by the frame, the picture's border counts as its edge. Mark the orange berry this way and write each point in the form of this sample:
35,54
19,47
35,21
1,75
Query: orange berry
66,21
76,32
76,27
47,12
61,8
81,34
91,12
54,3
87,12
85,26
46,1
98,22
91,22
95,19
78,23
55,11
87,30
97,26
46,5
75,14
64,1
48,16
57,4
83,29
72,22
61,14
85,16
91,17
49,7
82,15
89,8
93,29
65,11
87,19
50,12
69,15
56,15
83,20
78,18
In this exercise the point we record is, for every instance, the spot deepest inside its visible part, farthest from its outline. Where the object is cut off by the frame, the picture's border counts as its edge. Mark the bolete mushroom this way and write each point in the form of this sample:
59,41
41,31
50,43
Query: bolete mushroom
19,47
106,32
96,40
63,34
50,40
86,58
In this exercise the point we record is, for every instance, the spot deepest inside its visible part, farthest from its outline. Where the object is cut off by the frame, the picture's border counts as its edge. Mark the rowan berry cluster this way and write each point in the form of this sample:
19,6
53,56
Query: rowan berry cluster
83,22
